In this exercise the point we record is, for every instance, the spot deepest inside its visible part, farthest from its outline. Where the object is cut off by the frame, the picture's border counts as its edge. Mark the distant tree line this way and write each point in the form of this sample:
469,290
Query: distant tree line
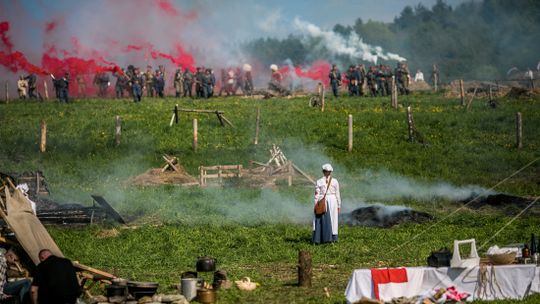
474,40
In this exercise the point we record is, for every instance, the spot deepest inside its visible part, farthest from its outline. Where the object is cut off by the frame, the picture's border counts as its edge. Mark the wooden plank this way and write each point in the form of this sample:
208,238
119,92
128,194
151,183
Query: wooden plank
200,111
304,174
108,208
226,120
219,117
94,271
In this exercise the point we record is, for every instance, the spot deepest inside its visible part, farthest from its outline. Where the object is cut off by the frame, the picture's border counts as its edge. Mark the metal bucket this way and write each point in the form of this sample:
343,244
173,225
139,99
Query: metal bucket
189,287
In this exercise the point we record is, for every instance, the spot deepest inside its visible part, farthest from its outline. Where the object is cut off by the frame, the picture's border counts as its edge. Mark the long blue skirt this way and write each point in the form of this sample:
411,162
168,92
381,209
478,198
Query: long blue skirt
323,229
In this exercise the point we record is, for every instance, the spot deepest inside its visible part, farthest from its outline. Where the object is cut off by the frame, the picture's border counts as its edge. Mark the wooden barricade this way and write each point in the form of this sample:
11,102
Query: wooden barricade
218,172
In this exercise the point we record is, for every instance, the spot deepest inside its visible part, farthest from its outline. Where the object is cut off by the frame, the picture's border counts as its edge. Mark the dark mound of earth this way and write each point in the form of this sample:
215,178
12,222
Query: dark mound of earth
384,216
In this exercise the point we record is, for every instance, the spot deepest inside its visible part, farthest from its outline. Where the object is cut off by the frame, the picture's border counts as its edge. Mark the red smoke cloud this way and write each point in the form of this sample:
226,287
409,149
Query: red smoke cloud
319,71
50,26
17,61
4,28
168,8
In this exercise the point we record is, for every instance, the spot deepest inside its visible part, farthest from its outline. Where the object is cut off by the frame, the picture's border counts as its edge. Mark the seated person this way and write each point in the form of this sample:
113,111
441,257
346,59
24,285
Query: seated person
19,288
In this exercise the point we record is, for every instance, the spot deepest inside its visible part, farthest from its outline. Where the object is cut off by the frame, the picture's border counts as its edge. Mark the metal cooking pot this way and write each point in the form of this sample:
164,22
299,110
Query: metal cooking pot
206,264
116,291
206,296
189,287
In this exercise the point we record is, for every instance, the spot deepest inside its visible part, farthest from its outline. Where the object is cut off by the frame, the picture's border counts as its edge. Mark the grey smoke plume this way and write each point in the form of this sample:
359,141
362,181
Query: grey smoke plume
352,46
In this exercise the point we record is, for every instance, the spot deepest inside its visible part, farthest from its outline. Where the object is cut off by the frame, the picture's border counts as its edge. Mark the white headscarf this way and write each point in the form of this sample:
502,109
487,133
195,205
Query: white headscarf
327,167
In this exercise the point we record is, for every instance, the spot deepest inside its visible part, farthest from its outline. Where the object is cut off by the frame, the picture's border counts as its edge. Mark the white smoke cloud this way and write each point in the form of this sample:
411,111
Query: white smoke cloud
352,46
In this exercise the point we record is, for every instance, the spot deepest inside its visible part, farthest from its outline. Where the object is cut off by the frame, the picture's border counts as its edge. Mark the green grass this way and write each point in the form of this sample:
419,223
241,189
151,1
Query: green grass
258,232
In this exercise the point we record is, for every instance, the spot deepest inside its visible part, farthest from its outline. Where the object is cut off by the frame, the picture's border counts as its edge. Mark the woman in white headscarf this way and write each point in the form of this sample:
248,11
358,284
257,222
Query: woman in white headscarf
325,226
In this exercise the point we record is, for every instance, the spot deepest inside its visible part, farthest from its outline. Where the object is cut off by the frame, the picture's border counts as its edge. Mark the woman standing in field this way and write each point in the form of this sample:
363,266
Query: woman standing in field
325,226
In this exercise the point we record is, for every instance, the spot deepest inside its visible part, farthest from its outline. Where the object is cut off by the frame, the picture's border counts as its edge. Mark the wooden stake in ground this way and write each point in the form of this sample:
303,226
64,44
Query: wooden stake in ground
118,131
43,141
393,92
462,92
46,89
304,269
490,94
7,92
176,113
257,126
349,147
322,99
469,103
435,81
519,131
289,178
410,123
195,135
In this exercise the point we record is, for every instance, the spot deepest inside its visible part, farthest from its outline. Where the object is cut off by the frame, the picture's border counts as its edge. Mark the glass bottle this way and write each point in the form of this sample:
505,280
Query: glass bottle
525,251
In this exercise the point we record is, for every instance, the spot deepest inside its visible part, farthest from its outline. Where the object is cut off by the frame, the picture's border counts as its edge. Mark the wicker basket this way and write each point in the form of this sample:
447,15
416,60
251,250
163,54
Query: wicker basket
502,259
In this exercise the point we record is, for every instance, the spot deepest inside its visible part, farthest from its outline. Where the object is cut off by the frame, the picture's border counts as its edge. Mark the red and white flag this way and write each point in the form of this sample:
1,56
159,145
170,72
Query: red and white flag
391,283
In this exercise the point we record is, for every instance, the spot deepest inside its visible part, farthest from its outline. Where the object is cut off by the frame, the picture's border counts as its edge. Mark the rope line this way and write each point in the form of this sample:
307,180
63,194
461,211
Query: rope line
509,222
464,205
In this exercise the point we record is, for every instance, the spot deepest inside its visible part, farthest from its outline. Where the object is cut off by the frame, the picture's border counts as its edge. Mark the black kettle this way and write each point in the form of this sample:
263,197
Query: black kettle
206,264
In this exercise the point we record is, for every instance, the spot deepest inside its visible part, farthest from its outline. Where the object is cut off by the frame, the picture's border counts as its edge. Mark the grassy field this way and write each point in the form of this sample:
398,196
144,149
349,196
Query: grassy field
258,232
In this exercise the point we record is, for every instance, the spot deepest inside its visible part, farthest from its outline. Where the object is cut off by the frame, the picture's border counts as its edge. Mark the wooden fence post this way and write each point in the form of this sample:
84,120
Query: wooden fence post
46,89
176,113
7,92
290,177
410,123
393,92
118,131
519,131
462,92
43,141
350,145
257,125
195,135
304,269
322,99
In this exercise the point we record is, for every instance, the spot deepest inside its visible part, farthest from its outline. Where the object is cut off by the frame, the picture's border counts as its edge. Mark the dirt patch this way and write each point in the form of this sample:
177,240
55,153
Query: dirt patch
478,89
385,216
517,92
154,177
108,233
508,204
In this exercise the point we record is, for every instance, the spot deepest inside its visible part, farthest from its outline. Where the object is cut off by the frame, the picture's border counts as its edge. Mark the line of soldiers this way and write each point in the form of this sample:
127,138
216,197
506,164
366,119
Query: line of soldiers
151,81
377,79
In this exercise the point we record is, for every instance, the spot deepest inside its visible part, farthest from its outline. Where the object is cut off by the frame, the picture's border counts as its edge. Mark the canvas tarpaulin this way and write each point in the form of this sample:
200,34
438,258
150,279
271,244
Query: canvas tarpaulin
28,230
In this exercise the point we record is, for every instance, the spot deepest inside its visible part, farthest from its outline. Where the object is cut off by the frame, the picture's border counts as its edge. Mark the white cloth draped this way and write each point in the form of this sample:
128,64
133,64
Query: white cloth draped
489,283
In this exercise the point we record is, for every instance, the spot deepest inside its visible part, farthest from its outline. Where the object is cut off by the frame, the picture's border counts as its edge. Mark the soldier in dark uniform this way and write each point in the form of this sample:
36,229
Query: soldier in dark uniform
32,85
101,79
335,80
381,81
178,82
136,81
212,82
121,83
248,83
188,83
238,81
199,81
371,81
62,87
388,76
402,77
362,73
159,84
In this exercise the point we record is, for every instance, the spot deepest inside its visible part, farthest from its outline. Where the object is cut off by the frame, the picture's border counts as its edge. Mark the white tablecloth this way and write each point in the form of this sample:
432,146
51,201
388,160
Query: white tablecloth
488,283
